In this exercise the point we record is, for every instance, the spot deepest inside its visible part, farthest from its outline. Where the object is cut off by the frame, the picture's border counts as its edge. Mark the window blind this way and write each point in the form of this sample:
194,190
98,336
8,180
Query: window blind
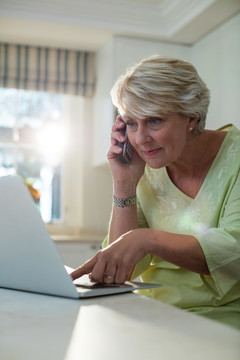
47,69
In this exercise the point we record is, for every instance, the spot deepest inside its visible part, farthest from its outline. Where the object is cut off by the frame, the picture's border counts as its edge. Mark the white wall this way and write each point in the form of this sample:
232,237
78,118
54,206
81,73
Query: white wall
87,189
217,58
97,185
103,110
129,51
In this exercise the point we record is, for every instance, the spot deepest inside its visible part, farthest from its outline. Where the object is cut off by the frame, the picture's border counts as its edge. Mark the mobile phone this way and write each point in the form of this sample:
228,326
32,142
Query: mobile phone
126,154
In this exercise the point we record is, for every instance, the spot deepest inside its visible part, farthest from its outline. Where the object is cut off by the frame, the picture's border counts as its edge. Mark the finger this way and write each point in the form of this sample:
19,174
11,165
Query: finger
109,276
113,152
117,137
98,271
118,124
129,273
86,268
123,274
116,134
108,279
120,276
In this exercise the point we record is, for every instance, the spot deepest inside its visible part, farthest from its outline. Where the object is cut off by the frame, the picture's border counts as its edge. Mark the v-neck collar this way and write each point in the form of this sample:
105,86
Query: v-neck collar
209,173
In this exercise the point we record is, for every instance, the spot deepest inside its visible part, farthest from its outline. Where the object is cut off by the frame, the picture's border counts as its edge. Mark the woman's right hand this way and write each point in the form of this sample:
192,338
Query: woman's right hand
123,173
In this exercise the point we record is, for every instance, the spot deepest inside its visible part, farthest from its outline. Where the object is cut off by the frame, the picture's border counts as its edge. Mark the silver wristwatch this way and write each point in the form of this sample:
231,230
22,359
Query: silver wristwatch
121,202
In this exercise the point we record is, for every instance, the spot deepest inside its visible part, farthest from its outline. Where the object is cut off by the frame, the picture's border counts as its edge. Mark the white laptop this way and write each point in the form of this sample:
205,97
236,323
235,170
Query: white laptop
29,260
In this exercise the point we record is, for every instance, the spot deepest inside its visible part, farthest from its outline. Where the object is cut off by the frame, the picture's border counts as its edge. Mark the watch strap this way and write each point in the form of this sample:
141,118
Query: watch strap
123,202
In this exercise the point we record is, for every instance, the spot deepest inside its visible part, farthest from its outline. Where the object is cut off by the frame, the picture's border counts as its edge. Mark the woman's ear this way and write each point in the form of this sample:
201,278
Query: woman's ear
192,123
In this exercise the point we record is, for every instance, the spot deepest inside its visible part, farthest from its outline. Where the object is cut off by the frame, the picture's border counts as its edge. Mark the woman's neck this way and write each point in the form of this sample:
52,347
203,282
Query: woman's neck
190,170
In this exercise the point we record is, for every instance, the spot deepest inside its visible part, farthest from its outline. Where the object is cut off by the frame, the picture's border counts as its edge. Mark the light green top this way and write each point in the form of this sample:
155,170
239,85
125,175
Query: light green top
213,217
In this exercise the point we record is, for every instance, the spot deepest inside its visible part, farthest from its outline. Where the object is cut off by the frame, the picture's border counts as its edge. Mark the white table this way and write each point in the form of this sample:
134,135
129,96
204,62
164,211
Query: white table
127,326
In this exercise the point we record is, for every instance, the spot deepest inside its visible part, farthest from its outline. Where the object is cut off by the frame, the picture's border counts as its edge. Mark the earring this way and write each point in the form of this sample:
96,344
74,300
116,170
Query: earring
190,129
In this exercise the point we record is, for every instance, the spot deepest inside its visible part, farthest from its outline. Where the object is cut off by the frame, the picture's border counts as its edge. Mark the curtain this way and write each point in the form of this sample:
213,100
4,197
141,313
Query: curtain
47,69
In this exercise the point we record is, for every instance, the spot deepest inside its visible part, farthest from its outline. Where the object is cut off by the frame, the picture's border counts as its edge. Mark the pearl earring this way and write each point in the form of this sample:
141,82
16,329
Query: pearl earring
190,129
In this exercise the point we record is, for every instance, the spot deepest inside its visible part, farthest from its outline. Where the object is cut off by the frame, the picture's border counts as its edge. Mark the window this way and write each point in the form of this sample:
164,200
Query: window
32,140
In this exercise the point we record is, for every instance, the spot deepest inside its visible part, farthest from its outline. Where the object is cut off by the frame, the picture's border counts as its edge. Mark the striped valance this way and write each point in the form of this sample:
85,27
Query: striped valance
47,69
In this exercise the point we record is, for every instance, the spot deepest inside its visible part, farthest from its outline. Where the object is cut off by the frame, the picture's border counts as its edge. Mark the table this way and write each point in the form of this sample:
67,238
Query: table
127,326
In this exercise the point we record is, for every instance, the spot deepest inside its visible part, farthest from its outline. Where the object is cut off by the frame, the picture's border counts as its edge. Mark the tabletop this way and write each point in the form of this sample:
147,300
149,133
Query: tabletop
126,326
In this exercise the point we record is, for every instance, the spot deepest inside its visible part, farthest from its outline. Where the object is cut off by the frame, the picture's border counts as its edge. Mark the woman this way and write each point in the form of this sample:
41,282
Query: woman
176,205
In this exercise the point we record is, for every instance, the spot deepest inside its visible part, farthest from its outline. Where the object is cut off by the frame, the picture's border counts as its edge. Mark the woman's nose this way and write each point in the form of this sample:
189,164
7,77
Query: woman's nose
141,136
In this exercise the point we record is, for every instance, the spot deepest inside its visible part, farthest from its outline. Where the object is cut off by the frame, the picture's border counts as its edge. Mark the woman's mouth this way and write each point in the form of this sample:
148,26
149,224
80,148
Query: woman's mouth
152,152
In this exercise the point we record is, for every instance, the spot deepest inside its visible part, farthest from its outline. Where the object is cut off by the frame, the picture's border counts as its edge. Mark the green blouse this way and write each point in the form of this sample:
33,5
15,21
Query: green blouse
213,218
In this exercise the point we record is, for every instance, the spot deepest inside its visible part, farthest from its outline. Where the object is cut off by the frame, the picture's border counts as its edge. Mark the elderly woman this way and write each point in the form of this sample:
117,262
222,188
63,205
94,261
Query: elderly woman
176,206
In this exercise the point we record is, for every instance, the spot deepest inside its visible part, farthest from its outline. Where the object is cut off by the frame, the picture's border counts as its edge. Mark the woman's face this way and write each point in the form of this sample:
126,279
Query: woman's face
159,141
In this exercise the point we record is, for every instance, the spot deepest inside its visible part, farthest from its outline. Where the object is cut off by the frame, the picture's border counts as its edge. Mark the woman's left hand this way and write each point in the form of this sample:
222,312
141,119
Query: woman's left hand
115,263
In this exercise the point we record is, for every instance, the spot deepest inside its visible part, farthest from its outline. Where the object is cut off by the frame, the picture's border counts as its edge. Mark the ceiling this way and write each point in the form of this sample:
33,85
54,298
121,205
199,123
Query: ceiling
87,24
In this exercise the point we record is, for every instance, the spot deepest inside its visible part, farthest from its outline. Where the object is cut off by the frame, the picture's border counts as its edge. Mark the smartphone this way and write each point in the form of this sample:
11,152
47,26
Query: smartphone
126,154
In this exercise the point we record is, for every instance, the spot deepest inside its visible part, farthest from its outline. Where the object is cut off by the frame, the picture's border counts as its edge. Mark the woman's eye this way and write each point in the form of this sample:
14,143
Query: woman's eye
154,122
131,125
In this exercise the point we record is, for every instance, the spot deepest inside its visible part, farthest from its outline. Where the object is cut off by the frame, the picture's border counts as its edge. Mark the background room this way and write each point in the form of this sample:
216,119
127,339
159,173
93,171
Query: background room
56,134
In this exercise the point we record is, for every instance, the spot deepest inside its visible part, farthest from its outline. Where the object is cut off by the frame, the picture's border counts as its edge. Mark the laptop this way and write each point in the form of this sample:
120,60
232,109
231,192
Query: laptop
29,260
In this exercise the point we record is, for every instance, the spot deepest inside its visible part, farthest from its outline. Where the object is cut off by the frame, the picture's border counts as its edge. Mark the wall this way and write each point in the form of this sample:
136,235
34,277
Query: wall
97,185
103,110
75,253
217,58
129,51
86,206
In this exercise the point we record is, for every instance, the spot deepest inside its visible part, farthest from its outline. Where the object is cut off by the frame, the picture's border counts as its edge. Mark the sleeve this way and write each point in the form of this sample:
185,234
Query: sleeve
142,222
221,246
105,242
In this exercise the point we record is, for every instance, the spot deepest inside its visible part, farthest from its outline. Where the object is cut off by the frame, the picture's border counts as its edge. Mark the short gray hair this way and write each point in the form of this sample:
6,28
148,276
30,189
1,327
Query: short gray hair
159,85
